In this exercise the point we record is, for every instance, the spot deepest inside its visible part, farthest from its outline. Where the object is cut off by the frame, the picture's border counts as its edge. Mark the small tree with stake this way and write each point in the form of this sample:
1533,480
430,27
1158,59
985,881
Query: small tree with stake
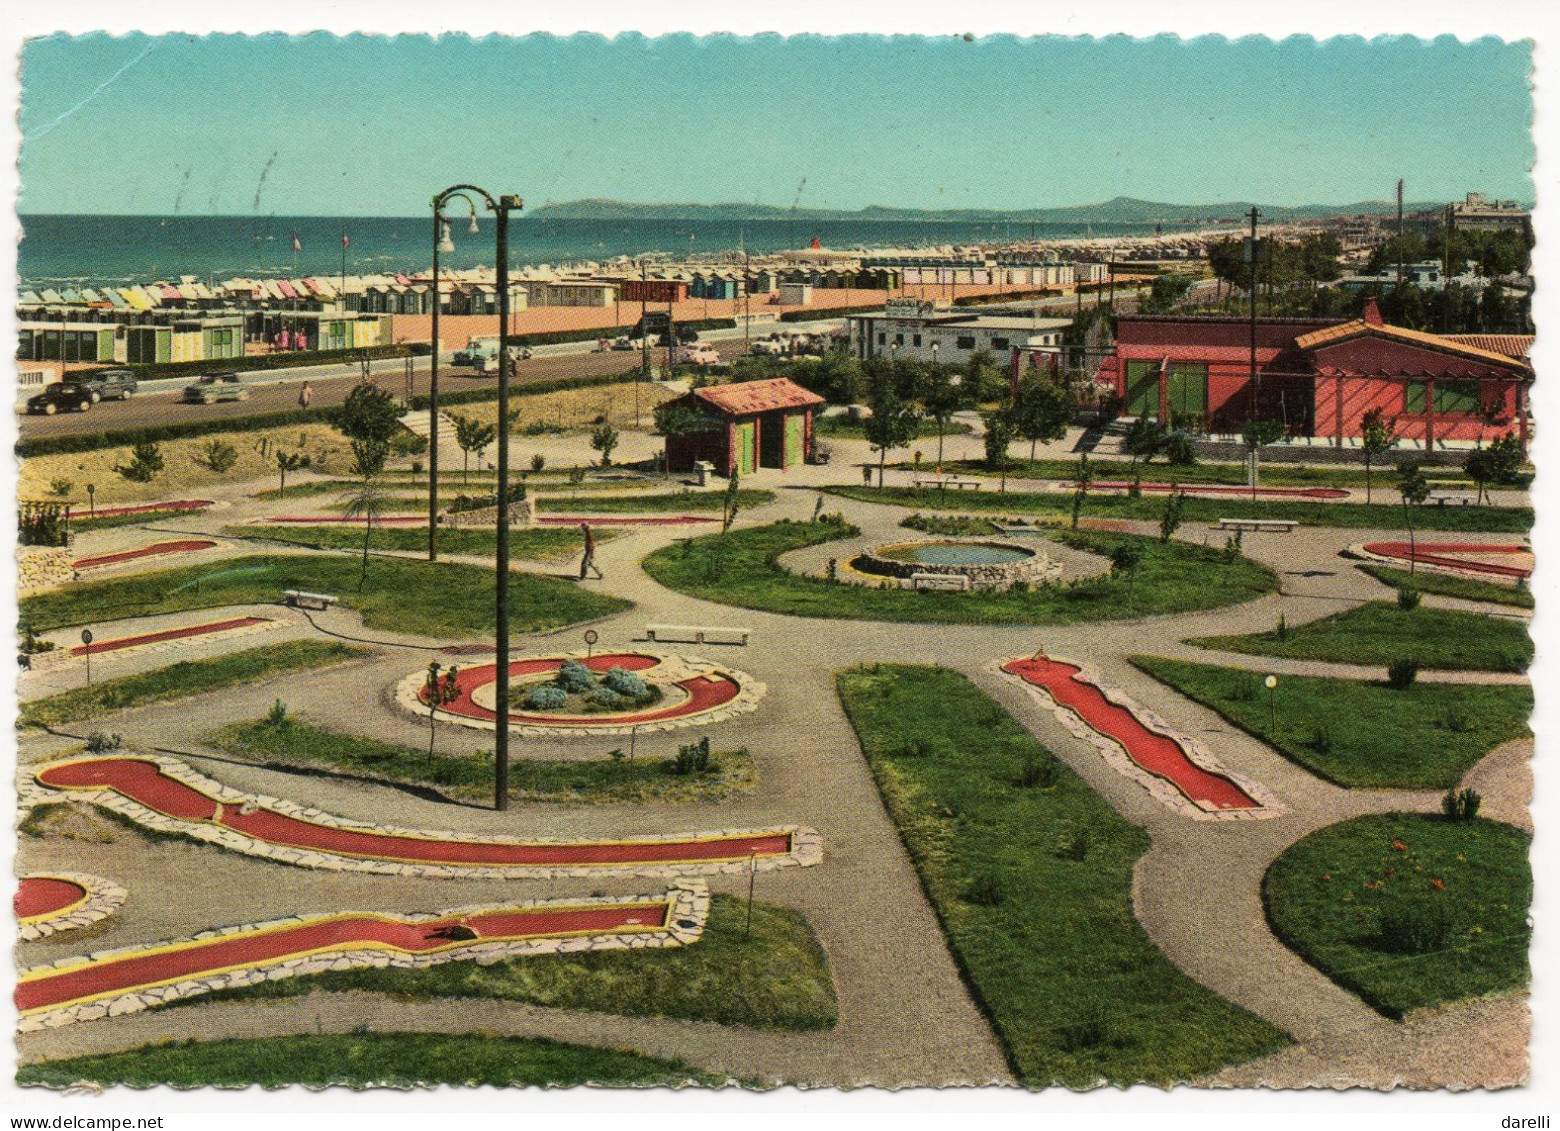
729,505
471,435
894,421
1124,561
604,439
1415,489
1377,434
438,691
1257,435
285,462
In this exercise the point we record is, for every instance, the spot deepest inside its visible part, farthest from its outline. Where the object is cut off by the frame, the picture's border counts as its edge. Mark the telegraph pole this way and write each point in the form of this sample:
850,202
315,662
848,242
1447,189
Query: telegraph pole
1400,231
1251,258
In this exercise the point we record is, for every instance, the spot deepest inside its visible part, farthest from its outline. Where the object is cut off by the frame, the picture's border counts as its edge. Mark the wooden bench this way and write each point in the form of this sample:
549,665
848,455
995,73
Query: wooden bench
1442,498
697,634
950,582
300,599
1259,525
959,483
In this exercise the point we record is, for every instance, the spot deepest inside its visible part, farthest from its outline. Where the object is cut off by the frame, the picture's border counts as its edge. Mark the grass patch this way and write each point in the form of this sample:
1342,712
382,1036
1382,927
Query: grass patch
1378,632
185,678
675,502
777,978
441,599
742,568
1374,516
841,426
1359,734
1369,915
1033,886
1451,585
295,742
366,1060
547,544
950,525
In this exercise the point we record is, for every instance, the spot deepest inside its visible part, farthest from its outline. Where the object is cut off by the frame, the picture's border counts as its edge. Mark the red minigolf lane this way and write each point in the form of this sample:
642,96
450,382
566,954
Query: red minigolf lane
1159,755
1227,489
166,634
40,896
145,783
144,508
1446,554
162,964
158,549
610,520
341,519
705,693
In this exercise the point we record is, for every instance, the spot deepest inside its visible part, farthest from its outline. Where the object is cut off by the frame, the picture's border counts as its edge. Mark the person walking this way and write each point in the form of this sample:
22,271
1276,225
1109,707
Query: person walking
588,562
305,396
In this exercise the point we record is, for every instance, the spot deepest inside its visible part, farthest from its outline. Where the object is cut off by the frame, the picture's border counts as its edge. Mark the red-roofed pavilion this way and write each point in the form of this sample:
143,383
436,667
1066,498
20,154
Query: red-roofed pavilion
752,424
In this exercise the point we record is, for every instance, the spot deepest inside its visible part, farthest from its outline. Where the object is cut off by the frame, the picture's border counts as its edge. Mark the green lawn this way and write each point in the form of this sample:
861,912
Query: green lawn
187,677
445,599
1376,516
777,978
1273,474
366,1060
841,427
1361,734
672,502
1368,913
542,543
741,568
1033,886
1378,632
1451,585
295,742
80,524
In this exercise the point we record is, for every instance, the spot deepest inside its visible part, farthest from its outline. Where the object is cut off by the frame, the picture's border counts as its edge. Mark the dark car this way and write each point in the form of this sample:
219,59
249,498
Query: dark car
105,384
58,396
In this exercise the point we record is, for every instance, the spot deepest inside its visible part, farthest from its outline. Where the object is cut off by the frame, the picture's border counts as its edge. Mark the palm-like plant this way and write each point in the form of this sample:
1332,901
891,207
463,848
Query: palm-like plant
368,502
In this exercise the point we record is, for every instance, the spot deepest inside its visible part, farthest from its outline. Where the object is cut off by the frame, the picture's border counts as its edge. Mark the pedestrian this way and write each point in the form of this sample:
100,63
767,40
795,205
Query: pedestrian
588,562
305,396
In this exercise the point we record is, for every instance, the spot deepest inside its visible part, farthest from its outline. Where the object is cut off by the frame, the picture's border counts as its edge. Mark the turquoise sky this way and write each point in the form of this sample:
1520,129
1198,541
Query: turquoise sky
363,126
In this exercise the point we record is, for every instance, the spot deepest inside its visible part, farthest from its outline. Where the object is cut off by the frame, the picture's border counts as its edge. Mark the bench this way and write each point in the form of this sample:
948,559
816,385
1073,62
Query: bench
951,582
696,634
300,599
959,483
1259,525
1441,498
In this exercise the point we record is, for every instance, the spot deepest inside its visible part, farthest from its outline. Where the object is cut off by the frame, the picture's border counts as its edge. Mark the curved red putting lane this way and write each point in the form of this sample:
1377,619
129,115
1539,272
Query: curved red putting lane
1454,555
42,897
1227,489
145,508
148,784
166,634
52,987
157,549
1156,753
704,693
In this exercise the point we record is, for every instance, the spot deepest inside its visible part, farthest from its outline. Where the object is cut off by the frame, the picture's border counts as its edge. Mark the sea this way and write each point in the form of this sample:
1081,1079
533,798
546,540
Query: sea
58,251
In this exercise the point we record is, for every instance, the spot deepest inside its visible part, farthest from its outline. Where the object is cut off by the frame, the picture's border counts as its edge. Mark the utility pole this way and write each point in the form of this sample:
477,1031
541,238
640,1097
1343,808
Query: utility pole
1400,231
644,318
506,204
1251,258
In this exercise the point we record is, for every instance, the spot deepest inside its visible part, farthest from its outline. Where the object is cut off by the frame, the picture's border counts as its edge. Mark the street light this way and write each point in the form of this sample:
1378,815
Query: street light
501,208
1271,683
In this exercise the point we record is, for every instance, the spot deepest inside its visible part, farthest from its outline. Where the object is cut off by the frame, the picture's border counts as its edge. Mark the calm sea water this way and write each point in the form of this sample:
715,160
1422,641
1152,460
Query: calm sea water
70,250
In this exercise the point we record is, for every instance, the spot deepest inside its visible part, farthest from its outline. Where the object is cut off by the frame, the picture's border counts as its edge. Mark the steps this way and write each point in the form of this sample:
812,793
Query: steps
420,423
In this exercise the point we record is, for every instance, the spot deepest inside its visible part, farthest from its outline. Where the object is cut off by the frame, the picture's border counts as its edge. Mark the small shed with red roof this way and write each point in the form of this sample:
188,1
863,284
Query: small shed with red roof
745,426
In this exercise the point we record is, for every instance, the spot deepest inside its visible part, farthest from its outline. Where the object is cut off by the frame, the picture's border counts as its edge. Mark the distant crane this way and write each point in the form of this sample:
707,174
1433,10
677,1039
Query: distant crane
797,200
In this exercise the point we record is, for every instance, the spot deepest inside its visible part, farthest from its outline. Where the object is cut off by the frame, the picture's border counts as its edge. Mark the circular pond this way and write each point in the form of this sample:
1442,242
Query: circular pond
947,563
955,553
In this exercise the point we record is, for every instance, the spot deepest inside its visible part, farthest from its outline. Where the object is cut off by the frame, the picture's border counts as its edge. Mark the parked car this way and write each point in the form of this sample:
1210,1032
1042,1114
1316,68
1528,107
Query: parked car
623,344
700,354
105,384
59,396
771,347
214,387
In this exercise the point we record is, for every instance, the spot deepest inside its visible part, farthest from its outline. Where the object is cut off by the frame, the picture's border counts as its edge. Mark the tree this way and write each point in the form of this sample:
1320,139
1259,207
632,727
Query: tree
1168,289
471,435
729,506
894,421
1258,434
942,394
1499,463
285,462
1145,439
1085,476
604,438
438,692
368,457
1377,434
1170,521
1124,561
219,456
999,434
369,414
984,378
1494,309
1042,409
146,463
1414,489
369,503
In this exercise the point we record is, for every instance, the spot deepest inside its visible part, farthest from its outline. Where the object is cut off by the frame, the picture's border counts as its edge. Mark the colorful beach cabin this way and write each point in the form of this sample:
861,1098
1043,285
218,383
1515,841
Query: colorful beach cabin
750,425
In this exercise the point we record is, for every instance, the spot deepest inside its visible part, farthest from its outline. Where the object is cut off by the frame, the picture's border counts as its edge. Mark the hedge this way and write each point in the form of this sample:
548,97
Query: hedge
815,314
555,337
419,403
263,361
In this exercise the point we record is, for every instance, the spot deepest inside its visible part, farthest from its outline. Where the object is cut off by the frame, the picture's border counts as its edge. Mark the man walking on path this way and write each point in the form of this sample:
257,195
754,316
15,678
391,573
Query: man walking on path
588,562
305,396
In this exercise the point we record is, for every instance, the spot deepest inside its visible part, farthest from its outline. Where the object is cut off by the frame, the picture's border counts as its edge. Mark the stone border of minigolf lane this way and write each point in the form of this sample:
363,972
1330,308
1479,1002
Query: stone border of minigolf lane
749,691
806,843
690,901
103,898
1120,761
1358,550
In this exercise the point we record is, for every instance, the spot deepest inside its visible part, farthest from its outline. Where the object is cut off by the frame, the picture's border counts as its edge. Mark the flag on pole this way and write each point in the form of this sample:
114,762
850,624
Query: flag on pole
345,243
297,246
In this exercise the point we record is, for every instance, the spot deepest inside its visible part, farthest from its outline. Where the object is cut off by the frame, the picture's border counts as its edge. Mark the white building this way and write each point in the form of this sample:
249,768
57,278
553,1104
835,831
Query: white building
921,331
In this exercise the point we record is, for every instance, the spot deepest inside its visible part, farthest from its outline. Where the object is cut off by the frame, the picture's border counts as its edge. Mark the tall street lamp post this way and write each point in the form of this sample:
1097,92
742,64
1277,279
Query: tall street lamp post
441,242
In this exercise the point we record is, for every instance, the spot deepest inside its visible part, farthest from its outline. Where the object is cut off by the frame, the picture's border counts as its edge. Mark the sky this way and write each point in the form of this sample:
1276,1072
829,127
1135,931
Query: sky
323,125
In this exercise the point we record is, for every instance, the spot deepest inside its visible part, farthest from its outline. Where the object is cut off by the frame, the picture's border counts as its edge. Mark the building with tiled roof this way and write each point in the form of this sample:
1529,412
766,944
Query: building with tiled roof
749,425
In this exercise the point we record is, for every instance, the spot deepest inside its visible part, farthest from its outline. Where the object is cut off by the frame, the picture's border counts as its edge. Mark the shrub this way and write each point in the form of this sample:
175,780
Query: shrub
101,741
146,462
546,697
1073,844
31,645
1178,449
1037,773
1410,926
1401,674
277,715
1321,739
417,467
607,698
61,487
985,890
1455,718
538,462
1242,688
42,524
693,758
218,455
1090,1031
1461,804
575,676
626,683
1281,630
1408,599
1232,547
406,443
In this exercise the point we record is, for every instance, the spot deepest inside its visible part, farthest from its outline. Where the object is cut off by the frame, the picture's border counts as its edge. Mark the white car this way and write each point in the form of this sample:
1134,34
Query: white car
700,355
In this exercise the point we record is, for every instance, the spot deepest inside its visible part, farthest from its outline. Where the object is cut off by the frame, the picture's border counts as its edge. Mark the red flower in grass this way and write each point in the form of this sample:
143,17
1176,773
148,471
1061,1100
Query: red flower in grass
1326,878
1400,846
1438,885
1391,873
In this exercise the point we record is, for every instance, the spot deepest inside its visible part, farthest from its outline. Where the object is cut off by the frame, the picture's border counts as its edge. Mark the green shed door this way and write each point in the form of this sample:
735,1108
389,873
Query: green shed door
1187,388
1143,388
747,447
795,429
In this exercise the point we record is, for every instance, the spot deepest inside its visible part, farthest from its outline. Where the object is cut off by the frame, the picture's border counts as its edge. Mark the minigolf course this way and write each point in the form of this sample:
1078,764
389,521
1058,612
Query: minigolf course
163,793
1154,754
133,978
49,903
155,550
184,632
1510,560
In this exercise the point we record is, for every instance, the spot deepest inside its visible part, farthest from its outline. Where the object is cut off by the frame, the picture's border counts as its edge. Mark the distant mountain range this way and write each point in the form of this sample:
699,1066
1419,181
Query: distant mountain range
1121,210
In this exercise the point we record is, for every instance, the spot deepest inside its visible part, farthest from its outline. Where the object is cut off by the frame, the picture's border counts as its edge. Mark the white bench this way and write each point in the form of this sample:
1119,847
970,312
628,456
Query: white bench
959,483
1259,525
951,582
696,634
300,599
1442,498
